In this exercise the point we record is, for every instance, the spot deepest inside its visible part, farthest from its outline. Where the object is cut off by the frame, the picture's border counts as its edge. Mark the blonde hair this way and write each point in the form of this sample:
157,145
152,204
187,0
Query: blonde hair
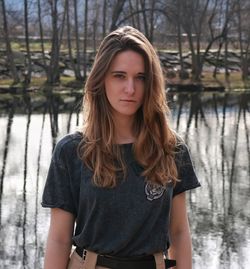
155,141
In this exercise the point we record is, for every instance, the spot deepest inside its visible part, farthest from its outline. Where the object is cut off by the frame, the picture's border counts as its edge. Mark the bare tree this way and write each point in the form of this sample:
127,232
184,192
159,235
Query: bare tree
104,15
193,18
131,11
53,75
77,68
28,57
62,24
8,44
85,39
117,10
242,10
196,18
151,18
206,24
69,37
138,15
95,23
179,35
144,15
226,39
41,34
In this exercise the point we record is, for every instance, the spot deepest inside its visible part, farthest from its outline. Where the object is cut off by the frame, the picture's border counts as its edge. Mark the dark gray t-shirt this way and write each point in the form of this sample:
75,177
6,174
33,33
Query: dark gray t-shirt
130,219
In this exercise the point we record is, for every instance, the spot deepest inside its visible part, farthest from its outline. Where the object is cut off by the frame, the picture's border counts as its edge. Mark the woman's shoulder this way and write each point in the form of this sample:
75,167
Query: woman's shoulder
180,144
181,149
67,145
69,139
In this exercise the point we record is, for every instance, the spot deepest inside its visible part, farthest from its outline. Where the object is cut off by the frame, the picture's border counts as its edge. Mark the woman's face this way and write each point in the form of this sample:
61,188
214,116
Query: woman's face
125,83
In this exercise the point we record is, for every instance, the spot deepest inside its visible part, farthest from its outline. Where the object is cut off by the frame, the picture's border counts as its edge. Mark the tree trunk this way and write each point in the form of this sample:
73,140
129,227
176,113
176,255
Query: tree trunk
151,30
69,37
53,76
193,55
226,42
116,13
61,28
243,59
217,59
143,7
8,45
85,40
41,35
77,71
179,36
95,25
138,15
131,10
104,14
27,75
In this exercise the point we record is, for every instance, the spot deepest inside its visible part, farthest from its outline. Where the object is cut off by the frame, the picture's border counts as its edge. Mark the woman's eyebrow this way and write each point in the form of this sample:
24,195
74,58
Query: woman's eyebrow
117,71
123,72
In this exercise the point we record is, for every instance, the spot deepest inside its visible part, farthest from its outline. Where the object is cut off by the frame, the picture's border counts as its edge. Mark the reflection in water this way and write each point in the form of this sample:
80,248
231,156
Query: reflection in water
216,128
53,107
195,110
5,154
37,188
215,107
246,109
28,111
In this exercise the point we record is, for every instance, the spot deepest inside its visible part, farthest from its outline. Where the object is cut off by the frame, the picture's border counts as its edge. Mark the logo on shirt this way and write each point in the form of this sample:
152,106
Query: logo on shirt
153,191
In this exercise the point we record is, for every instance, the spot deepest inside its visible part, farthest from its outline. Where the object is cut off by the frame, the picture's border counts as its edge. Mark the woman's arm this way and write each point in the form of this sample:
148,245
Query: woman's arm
180,247
59,241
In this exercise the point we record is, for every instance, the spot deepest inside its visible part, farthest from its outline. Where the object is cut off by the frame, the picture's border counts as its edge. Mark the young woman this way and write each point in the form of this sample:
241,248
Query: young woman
117,188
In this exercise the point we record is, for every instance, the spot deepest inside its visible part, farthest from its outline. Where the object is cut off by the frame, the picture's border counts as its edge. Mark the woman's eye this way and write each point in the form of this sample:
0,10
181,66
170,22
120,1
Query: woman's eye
141,78
121,76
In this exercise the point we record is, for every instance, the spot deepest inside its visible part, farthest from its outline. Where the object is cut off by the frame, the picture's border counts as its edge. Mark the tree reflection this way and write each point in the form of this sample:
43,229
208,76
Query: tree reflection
247,142
37,185
5,153
246,109
53,102
74,108
216,129
181,99
221,215
215,106
196,109
27,102
230,234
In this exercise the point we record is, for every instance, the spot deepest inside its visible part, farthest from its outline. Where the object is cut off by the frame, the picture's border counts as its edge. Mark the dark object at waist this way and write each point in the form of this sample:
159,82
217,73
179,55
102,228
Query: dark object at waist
138,262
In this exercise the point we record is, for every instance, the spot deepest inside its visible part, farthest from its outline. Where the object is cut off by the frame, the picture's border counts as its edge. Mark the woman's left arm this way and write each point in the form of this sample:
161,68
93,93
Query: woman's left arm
180,239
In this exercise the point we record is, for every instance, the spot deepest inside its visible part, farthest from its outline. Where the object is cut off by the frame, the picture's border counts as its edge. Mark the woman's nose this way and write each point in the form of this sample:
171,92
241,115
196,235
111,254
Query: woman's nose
130,87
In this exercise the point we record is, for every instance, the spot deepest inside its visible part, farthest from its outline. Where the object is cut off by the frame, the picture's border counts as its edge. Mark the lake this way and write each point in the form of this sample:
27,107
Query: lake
215,126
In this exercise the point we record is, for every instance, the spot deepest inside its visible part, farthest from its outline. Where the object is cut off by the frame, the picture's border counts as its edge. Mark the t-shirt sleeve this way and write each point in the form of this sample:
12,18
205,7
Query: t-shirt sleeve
58,188
186,173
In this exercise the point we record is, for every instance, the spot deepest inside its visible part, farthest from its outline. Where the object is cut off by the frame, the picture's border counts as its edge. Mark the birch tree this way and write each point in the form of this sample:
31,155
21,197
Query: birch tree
10,57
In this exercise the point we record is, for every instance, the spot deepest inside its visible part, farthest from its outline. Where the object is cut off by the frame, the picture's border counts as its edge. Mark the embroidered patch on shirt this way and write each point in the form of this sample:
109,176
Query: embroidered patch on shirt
153,191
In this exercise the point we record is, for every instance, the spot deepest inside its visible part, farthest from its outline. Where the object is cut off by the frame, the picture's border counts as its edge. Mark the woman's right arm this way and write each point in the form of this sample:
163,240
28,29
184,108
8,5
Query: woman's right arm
59,240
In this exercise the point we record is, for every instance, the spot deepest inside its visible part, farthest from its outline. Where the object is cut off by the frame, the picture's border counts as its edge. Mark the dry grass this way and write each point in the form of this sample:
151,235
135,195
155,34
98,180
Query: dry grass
65,82
233,82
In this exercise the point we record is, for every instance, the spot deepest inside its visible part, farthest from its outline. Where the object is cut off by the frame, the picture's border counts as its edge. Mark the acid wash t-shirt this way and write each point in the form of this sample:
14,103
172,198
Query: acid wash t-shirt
128,220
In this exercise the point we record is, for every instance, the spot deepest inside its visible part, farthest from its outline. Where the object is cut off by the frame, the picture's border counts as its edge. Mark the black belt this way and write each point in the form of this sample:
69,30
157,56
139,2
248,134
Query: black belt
139,262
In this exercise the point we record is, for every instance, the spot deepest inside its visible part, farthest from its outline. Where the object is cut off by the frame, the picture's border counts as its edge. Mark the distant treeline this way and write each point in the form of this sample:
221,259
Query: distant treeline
78,25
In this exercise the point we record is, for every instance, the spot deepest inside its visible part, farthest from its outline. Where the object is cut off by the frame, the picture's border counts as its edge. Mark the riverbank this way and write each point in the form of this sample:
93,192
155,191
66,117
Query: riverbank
175,84
170,63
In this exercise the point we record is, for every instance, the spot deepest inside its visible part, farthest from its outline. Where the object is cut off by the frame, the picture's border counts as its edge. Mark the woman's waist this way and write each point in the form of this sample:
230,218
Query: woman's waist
148,261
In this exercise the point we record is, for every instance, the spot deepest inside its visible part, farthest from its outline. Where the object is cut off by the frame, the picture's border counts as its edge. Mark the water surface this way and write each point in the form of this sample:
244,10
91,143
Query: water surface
216,128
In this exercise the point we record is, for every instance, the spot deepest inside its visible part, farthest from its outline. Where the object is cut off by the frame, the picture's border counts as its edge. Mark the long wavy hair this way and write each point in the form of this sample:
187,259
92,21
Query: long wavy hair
155,143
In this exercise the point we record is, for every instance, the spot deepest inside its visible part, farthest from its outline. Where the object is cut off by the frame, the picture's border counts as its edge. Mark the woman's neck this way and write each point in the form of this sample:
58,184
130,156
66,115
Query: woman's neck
124,131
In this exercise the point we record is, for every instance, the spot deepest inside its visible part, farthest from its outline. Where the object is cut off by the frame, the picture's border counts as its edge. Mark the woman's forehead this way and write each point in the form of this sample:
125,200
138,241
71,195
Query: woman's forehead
128,60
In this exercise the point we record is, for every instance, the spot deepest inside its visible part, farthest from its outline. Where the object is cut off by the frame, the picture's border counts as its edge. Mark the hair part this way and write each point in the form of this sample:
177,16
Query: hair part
155,142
